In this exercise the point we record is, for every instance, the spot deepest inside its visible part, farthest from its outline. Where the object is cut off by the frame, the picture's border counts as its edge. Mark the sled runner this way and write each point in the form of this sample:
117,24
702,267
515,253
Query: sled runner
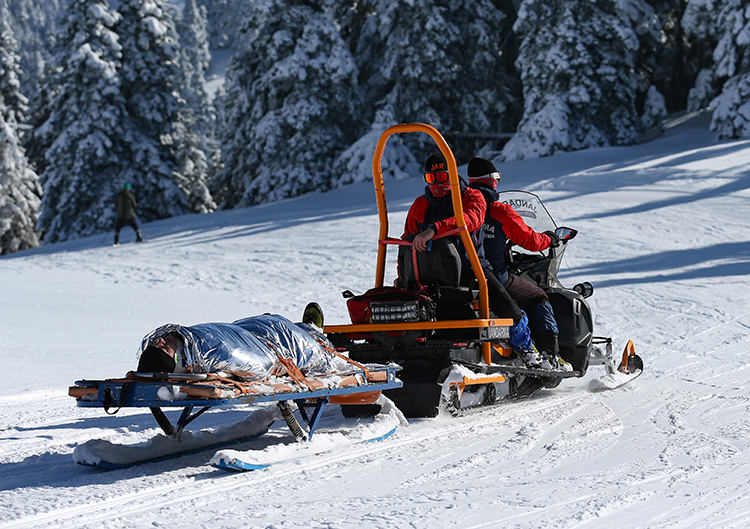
197,393
452,351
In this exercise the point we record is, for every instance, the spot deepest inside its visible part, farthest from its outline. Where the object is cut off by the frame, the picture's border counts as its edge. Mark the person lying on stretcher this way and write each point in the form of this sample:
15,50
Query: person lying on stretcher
251,346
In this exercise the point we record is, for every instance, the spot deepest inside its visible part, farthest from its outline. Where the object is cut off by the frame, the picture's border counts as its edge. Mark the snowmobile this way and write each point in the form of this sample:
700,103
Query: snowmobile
452,351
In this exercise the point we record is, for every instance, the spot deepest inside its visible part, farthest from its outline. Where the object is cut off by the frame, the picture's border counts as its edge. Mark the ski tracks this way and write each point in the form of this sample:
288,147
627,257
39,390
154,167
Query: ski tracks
598,457
700,440
91,497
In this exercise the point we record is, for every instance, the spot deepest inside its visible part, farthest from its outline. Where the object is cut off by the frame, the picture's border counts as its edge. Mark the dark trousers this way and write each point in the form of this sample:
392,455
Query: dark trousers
535,303
130,222
502,303
122,222
526,294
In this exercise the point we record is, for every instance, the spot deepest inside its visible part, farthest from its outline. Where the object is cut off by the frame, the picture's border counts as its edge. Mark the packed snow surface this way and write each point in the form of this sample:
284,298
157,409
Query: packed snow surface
664,237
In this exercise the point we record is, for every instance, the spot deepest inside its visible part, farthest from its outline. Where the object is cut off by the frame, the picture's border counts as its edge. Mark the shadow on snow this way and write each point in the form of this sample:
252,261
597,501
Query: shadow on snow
693,263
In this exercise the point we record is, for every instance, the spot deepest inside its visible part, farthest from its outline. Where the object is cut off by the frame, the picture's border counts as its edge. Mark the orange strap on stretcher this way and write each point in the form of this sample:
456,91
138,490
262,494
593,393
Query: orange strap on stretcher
241,387
293,371
356,364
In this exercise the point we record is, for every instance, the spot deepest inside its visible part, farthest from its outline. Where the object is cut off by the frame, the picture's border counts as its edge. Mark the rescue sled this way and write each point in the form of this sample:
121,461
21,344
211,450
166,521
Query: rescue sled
452,351
197,393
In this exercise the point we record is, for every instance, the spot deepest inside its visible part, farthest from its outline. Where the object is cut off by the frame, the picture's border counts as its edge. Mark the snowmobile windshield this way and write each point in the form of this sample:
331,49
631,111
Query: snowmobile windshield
531,209
251,345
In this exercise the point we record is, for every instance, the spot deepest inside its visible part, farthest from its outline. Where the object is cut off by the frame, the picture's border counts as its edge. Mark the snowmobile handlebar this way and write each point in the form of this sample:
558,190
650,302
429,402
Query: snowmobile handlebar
565,235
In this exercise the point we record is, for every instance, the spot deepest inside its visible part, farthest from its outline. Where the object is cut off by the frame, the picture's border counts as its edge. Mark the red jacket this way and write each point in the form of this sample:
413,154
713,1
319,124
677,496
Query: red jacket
503,223
427,211
516,229
420,214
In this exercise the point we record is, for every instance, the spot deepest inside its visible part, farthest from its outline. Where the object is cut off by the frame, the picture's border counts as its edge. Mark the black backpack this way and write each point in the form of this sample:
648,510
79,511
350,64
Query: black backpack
440,265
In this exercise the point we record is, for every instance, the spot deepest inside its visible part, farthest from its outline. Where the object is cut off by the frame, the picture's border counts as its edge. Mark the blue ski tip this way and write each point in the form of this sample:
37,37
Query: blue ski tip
238,465
243,466
384,436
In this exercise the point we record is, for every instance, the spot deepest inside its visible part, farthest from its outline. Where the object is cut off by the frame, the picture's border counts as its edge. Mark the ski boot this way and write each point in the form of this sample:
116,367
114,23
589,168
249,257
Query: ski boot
533,358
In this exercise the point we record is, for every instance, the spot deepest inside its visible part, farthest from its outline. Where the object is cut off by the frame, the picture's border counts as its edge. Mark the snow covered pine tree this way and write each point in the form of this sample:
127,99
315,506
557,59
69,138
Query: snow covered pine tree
434,61
290,106
576,63
151,85
731,56
84,128
200,154
19,188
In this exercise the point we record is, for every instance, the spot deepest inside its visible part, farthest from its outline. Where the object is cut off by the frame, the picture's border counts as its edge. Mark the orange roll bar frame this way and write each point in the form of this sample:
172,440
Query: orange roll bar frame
377,171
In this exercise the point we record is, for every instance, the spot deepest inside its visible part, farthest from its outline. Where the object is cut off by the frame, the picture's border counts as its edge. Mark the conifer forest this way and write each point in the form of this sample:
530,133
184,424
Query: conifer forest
216,104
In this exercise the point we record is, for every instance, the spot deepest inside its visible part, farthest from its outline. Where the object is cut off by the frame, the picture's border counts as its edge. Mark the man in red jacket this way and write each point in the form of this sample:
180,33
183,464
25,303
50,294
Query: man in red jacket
432,216
501,224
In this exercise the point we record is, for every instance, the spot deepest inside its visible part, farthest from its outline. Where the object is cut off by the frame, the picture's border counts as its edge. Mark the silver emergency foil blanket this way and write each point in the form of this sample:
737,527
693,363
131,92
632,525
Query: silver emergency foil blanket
251,345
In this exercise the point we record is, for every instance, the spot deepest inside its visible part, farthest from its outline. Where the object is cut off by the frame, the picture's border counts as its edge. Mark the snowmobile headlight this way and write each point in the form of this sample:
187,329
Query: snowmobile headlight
585,289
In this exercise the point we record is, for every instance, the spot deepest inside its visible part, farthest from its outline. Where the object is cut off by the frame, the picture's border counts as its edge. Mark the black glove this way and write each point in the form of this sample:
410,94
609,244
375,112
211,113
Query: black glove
554,239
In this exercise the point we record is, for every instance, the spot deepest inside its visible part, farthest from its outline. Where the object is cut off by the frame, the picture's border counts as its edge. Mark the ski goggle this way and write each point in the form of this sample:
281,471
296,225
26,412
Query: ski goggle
437,176
494,176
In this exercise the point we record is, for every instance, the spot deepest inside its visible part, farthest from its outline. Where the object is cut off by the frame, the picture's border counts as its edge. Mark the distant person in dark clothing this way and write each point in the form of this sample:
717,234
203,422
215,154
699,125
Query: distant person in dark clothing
125,208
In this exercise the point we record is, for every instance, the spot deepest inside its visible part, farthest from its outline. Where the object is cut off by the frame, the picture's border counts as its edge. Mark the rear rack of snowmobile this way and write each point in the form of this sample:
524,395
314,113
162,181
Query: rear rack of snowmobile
205,391
489,329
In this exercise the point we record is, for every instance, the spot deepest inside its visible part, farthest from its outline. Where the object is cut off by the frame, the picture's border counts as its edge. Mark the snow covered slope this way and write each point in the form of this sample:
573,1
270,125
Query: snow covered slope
663,237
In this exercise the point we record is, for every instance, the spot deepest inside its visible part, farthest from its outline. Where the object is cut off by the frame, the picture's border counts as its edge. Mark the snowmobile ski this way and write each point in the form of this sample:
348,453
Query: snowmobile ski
628,370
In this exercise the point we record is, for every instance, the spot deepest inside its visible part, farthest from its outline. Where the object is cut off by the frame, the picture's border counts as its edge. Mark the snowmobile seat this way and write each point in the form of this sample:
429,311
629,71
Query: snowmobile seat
439,265
453,303
439,270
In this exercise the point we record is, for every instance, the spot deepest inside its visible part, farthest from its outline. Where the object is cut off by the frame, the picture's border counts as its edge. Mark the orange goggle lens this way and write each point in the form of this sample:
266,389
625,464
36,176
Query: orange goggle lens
438,176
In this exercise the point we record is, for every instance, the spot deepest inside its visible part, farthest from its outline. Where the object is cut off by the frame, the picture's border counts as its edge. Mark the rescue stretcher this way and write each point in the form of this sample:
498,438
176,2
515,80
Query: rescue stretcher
201,392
